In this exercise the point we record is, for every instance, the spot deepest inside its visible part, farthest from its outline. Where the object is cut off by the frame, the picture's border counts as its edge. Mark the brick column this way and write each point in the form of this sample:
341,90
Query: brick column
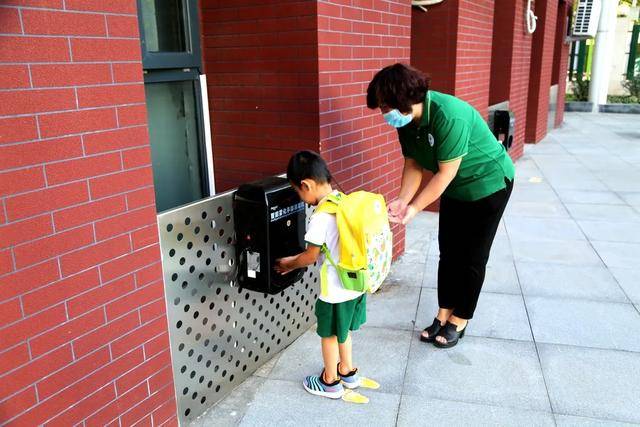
452,43
83,332
561,58
540,71
510,65
261,62
356,38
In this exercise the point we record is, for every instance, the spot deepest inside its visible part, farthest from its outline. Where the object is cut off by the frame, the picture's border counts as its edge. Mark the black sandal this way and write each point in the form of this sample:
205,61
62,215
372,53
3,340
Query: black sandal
432,330
449,333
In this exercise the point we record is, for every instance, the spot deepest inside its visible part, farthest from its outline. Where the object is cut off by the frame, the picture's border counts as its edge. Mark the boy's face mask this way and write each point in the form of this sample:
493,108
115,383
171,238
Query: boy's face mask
396,119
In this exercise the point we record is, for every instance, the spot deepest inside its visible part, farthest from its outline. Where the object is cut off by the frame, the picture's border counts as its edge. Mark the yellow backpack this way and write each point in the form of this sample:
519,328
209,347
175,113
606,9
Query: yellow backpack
365,240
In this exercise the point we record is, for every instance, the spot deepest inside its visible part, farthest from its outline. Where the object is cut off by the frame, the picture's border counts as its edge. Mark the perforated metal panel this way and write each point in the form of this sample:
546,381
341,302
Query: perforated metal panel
220,334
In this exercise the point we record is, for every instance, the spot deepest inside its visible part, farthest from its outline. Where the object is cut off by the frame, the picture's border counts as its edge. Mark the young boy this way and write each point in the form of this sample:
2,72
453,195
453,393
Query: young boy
341,310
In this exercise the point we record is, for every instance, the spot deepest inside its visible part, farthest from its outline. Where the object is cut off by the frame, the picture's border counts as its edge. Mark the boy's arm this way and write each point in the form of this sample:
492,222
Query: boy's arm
303,259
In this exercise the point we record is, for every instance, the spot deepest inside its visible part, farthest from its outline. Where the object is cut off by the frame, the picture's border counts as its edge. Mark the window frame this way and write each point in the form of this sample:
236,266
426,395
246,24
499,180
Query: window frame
163,60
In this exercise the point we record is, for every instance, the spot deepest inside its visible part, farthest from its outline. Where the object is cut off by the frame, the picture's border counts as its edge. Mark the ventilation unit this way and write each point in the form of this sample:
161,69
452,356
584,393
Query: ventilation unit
585,22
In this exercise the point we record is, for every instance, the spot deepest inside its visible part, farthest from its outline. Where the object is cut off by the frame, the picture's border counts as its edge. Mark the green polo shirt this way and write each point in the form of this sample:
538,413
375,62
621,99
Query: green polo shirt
451,129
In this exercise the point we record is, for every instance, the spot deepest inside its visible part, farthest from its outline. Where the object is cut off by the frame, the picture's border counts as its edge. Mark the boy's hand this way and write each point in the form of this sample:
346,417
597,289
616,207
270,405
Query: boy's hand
283,265
397,211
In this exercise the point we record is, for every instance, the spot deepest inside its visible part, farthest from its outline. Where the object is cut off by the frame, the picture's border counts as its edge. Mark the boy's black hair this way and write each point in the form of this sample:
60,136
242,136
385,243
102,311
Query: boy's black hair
397,86
307,165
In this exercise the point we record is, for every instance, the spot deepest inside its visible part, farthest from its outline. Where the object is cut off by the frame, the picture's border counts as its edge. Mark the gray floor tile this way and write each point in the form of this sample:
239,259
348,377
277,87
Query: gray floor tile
530,192
418,411
589,196
285,403
500,277
417,254
611,231
378,353
479,370
584,323
623,255
231,409
497,315
571,421
393,306
629,280
565,281
424,221
536,209
406,274
616,213
559,252
542,229
595,383
632,198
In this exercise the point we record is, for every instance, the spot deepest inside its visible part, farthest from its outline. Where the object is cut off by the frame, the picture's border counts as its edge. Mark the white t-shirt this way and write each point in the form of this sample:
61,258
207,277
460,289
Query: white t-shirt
323,229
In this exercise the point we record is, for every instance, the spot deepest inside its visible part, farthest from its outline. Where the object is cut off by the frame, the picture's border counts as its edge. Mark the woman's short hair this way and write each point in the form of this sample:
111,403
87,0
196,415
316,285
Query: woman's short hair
307,165
397,86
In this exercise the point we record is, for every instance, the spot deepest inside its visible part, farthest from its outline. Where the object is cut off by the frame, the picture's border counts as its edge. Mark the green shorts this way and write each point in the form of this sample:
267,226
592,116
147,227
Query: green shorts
338,319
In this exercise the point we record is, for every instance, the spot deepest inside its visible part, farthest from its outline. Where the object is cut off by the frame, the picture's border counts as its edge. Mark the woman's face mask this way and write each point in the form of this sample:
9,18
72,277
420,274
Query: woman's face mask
396,119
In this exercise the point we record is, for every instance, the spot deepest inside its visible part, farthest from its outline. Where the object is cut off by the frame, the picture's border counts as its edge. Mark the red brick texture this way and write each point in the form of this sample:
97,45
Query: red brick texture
261,65
560,63
510,65
541,70
356,38
82,317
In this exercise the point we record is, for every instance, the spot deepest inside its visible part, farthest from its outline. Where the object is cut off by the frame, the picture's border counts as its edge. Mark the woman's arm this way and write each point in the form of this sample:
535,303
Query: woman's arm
411,179
434,189
303,259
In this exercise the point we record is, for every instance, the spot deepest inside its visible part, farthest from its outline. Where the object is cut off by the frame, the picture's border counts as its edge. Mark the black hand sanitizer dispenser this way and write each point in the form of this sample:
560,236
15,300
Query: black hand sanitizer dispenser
270,224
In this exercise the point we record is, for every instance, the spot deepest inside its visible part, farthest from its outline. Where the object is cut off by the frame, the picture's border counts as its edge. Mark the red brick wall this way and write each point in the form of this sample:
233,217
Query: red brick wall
356,38
433,43
473,52
511,65
561,58
262,70
502,50
540,71
83,334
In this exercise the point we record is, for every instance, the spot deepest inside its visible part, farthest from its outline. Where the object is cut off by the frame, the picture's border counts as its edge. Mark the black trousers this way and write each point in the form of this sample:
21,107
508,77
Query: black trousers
465,236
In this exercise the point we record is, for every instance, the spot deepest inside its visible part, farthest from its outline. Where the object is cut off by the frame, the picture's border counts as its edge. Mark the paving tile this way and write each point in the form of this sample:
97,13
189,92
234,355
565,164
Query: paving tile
378,353
603,384
571,421
566,281
286,403
543,229
632,198
496,316
614,254
590,197
393,307
593,212
560,252
230,410
418,411
584,323
500,277
611,231
478,370
530,192
536,209
629,281
403,274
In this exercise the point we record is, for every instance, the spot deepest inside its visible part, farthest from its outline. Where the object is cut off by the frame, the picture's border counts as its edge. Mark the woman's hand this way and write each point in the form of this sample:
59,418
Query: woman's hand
410,212
283,265
397,210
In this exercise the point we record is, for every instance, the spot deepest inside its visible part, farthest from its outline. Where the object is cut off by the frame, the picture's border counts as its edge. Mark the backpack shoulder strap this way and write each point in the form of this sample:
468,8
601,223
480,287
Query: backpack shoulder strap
330,204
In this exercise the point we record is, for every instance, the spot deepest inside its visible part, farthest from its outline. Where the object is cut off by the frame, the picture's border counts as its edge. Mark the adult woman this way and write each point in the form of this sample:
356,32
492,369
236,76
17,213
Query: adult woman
473,176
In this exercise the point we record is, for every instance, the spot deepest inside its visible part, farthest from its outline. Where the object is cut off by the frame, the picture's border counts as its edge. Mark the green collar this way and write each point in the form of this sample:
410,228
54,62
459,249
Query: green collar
426,118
